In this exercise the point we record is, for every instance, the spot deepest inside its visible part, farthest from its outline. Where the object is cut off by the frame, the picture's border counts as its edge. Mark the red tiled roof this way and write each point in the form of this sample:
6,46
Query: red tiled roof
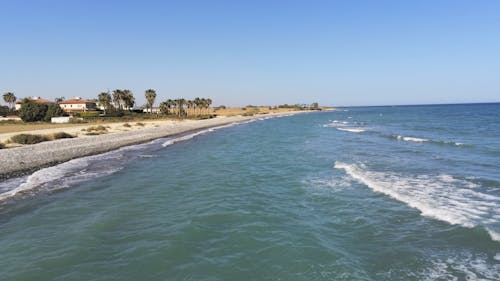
74,101
36,100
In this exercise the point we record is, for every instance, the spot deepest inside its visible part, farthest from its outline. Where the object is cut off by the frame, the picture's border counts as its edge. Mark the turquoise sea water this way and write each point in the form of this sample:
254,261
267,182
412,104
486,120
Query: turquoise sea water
376,193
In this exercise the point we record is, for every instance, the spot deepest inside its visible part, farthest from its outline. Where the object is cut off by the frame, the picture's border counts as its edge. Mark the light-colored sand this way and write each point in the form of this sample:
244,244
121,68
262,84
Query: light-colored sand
78,129
18,160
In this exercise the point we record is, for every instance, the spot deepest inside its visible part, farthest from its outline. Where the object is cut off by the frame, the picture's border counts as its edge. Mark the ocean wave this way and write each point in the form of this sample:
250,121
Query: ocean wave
344,126
62,175
441,197
422,140
472,267
74,171
412,139
336,123
352,130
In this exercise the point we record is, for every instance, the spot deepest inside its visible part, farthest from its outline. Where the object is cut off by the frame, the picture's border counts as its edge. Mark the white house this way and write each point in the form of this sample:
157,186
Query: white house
152,110
77,104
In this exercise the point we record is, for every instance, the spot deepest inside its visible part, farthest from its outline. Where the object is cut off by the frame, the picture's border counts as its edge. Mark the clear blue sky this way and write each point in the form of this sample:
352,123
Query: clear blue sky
255,52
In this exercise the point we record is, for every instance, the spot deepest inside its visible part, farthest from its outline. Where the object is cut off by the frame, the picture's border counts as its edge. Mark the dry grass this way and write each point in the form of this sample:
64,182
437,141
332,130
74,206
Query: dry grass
14,128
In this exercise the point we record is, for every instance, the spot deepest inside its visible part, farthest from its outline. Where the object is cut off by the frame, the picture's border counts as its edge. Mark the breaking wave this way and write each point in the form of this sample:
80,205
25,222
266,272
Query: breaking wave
421,140
352,130
344,126
441,197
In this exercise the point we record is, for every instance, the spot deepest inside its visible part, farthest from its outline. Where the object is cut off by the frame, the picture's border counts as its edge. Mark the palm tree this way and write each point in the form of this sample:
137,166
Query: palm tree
197,103
165,107
181,102
150,95
203,103
189,104
104,100
118,98
171,103
10,98
128,99
209,103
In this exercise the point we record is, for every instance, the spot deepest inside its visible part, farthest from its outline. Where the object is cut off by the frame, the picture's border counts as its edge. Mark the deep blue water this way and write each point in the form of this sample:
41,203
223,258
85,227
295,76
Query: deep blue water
374,193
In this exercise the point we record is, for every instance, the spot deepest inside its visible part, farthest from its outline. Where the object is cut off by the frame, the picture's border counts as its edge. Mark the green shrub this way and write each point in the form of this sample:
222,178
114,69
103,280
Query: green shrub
53,110
88,114
2,146
127,125
62,135
140,124
5,111
31,111
113,112
28,139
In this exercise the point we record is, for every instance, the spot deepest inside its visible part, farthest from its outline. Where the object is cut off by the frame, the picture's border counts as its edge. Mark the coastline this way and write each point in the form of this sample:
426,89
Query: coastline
23,160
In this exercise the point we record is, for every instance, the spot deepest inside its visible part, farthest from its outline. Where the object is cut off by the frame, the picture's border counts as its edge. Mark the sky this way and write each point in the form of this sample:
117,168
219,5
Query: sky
338,53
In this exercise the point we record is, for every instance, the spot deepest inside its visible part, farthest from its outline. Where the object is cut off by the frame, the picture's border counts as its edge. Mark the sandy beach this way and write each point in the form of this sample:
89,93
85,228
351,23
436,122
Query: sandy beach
21,160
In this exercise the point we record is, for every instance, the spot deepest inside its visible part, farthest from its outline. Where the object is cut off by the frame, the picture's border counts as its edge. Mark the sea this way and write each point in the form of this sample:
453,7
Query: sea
360,193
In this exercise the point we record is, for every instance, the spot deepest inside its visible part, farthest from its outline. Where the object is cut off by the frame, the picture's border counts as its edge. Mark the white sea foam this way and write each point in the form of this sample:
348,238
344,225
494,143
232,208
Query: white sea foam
441,197
352,130
344,126
471,267
412,139
71,172
62,175
421,140
336,123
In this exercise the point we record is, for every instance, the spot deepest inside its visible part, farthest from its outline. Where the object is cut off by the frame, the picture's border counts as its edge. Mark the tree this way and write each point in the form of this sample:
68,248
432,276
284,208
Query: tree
59,99
31,111
53,110
150,95
180,103
10,98
128,99
4,110
208,103
118,98
170,103
165,107
104,100
197,104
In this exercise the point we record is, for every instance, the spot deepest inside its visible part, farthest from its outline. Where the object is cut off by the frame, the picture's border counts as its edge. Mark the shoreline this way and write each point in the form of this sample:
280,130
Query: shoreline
19,161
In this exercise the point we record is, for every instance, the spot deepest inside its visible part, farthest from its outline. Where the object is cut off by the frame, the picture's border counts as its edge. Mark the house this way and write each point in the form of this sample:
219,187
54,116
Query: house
153,110
35,99
77,104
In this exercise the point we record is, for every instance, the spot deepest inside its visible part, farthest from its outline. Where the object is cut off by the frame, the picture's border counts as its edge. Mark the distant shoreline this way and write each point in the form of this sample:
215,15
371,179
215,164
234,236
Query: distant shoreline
416,105
24,160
